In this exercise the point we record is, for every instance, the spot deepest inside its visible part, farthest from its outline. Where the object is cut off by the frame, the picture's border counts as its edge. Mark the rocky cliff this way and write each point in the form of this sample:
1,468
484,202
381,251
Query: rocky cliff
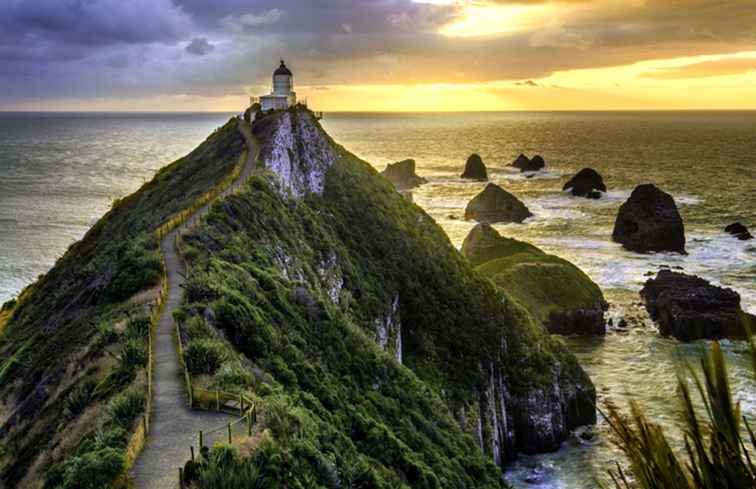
392,277
377,355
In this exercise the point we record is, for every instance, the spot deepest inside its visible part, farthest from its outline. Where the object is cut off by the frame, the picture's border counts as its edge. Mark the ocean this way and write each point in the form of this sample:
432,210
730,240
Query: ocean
60,173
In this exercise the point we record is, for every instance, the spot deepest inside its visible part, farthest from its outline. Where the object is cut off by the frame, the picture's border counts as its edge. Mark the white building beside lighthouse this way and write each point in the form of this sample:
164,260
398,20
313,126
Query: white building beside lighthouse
283,96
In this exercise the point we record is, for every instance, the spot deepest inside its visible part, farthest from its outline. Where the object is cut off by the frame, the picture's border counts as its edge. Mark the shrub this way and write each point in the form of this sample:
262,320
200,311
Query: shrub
134,354
78,399
232,375
107,332
205,356
93,470
196,327
8,305
125,407
138,327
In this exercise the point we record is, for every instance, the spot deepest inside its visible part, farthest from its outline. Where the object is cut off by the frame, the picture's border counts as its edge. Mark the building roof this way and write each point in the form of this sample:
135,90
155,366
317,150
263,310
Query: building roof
282,70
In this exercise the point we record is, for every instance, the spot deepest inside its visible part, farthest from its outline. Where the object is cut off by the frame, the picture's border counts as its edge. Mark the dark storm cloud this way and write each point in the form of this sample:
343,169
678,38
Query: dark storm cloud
101,48
199,46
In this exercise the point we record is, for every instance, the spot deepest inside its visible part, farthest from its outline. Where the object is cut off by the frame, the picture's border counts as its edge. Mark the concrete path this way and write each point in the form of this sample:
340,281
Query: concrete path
173,425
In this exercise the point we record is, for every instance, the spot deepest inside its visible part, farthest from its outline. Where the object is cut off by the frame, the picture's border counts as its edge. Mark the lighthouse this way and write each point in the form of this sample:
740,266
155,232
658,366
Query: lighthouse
283,96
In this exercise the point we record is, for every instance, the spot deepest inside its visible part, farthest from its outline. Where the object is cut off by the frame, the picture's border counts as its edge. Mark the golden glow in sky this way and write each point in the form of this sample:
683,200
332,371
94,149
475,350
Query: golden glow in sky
488,20
477,55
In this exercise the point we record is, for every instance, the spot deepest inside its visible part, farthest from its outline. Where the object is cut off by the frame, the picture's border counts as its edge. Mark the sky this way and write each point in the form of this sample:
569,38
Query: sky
379,55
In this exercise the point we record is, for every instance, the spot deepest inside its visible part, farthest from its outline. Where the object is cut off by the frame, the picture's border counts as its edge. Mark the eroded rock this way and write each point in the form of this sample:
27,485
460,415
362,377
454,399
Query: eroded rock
739,231
402,175
649,221
586,183
475,169
529,164
494,204
689,307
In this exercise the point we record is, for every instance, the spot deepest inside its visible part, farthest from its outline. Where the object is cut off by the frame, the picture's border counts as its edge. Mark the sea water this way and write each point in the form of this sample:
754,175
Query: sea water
60,172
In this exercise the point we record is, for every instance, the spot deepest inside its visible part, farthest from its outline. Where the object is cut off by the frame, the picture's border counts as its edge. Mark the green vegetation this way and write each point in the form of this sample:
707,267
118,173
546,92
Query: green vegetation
718,450
265,275
77,339
545,285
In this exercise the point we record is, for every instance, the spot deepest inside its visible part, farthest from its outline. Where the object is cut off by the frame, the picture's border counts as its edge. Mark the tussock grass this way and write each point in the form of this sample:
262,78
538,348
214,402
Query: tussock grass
718,455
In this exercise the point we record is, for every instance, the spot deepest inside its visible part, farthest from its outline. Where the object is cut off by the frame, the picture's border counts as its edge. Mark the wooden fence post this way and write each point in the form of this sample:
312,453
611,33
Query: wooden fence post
200,441
191,449
217,400
181,478
241,405
249,424
229,433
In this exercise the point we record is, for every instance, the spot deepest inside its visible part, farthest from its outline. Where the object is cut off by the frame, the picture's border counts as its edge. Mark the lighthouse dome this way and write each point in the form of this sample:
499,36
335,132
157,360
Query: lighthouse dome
282,70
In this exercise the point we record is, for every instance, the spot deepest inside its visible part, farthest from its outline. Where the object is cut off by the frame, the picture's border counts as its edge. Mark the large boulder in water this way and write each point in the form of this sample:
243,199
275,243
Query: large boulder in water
554,291
690,308
402,175
494,204
526,164
475,169
586,183
649,221
739,231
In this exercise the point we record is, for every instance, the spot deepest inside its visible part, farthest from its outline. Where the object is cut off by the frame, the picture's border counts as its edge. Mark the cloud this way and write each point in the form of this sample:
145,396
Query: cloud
82,46
247,22
199,46
721,67
94,22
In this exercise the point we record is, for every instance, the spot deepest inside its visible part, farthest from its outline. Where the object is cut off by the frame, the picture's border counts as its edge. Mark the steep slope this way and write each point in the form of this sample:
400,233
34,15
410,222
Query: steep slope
374,344
73,355
554,291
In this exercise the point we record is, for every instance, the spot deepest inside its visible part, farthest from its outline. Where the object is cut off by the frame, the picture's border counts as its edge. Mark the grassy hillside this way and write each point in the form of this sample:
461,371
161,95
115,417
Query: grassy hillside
74,350
323,295
554,291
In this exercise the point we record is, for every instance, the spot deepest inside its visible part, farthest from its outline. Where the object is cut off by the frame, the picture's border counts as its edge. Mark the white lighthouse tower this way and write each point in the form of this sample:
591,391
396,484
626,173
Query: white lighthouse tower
283,96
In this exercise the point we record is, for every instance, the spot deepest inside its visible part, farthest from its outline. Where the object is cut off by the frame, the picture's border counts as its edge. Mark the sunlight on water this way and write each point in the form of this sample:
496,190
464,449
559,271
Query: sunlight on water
706,161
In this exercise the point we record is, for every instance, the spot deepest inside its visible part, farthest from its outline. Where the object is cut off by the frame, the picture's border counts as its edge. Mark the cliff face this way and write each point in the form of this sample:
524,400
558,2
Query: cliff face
370,263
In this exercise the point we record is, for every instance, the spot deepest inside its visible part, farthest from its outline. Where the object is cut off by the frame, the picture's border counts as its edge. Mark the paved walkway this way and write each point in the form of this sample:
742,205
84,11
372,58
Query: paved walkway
173,425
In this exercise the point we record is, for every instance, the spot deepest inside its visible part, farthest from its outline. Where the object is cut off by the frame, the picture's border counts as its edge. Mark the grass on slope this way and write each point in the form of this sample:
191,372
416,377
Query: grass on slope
541,283
66,318
265,273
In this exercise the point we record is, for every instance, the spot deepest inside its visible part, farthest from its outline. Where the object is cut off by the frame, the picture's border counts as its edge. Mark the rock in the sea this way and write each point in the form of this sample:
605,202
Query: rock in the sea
527,164
402,175
554,291
739,231
690,308
494,204
649,221
475,169
586,183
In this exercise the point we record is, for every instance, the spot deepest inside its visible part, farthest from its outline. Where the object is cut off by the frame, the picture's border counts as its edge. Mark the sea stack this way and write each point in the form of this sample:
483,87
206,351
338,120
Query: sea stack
739,231
553,290
526,164
586,183
475,169
494,204
402,175
690,308
649,221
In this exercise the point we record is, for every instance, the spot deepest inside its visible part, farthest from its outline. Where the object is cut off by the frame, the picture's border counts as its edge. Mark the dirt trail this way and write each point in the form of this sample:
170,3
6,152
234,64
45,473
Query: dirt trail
174,425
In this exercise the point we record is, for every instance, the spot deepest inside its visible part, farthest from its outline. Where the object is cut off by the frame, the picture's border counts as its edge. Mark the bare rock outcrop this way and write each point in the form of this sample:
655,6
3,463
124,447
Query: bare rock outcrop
649,221
475,169
494,204
690,308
